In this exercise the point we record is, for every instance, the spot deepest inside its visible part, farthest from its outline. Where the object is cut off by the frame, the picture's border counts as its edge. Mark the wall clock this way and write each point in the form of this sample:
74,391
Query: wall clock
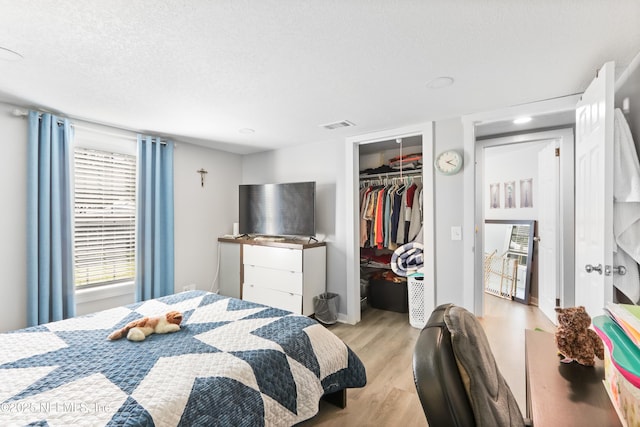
448,162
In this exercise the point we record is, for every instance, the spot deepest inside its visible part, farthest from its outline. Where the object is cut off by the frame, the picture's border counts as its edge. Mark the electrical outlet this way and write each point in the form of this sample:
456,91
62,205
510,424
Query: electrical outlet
191,287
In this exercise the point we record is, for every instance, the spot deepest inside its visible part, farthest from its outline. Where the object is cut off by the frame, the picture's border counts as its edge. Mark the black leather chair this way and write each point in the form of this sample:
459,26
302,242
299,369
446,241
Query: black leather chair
456,375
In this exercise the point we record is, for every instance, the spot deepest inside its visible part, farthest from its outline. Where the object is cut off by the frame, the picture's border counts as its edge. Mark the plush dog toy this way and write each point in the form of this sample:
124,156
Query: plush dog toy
574,339
139,329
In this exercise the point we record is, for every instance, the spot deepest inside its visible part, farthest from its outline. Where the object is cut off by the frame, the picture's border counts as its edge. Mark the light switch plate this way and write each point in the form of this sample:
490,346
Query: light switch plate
456,232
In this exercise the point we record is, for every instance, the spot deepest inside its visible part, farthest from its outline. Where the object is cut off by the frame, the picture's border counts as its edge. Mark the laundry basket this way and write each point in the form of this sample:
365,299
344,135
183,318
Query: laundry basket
418,311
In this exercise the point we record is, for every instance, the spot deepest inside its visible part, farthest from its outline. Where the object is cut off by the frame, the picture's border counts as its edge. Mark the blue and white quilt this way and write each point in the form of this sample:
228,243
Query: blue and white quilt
233,363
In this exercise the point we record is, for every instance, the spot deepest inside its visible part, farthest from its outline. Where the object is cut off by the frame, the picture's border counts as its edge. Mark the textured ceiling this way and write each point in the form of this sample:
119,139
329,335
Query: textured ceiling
201,71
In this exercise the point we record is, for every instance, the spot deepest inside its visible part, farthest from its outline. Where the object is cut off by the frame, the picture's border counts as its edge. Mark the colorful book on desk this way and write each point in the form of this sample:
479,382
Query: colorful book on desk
625,354
628,318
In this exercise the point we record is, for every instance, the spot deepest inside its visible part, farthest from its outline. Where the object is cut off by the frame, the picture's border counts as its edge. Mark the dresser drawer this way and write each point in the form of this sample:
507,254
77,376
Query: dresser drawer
273,298
280,280
274,258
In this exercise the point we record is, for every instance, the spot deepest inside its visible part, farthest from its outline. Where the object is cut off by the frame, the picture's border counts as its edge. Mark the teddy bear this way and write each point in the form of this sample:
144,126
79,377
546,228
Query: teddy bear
574,339
139,329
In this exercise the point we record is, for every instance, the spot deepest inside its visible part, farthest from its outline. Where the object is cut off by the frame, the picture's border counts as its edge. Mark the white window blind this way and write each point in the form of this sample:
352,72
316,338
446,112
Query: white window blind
105,212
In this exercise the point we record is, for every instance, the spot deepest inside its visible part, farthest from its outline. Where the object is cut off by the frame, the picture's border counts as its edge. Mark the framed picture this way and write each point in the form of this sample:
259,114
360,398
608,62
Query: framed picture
510,194
494,196
526,193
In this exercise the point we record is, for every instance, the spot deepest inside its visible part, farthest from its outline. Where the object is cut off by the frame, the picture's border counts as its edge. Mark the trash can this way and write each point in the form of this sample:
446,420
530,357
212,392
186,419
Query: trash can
326,308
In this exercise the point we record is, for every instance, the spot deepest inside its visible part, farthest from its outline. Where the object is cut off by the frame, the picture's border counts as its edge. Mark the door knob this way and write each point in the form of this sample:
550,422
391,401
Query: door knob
589,268
620,269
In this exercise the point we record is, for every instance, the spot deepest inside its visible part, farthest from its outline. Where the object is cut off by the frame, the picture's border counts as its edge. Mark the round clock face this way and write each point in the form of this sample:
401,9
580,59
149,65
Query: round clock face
448,162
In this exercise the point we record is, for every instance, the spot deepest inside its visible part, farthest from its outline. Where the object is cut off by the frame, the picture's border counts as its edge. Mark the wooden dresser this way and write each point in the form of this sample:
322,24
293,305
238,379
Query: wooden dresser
286,274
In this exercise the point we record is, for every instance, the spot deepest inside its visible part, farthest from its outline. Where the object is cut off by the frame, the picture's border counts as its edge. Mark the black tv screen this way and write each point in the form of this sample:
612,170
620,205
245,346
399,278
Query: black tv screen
278,209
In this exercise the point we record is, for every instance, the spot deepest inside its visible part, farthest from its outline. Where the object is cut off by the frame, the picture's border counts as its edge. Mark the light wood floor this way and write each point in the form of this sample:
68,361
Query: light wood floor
384,341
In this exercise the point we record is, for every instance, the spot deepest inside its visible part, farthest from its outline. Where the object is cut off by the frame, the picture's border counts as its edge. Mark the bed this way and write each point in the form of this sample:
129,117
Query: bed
232,363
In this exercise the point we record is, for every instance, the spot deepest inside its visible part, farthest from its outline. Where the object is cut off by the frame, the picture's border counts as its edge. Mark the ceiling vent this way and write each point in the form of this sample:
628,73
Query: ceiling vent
337,125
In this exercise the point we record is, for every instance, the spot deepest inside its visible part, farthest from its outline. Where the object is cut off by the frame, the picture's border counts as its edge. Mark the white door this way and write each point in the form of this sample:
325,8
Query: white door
548,207
594,193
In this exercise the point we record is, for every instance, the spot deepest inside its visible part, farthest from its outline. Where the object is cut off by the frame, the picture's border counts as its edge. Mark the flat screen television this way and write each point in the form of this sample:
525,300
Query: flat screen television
286,209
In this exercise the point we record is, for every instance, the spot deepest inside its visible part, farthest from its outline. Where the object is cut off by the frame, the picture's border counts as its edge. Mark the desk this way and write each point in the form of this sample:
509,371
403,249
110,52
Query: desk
561,394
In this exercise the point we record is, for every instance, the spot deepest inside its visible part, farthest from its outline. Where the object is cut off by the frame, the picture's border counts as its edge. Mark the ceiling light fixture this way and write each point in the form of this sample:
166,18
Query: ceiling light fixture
247,131
9,55
440,82
522,120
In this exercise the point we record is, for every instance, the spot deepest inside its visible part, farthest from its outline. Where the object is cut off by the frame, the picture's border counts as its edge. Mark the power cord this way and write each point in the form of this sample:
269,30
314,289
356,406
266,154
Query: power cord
215,278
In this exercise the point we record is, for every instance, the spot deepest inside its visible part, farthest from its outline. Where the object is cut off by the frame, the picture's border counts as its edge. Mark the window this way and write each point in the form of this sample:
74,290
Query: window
105,213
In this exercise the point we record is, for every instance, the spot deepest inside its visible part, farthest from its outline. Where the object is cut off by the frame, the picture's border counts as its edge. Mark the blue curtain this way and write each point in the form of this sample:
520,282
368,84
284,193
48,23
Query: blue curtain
50,287
154,239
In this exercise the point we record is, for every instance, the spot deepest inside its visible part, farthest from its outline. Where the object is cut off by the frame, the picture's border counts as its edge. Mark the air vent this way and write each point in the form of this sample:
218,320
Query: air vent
337,125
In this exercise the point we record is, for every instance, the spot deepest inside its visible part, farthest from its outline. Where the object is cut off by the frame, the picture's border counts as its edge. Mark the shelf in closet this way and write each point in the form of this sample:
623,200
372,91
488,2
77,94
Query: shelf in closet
412,172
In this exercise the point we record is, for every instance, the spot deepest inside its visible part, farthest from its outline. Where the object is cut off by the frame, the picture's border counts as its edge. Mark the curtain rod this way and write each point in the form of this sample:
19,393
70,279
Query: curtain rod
17,112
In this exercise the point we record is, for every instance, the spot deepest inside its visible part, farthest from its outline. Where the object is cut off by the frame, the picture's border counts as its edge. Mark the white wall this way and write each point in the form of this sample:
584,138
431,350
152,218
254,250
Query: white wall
323,163
512,163
13,226
448,213
202,214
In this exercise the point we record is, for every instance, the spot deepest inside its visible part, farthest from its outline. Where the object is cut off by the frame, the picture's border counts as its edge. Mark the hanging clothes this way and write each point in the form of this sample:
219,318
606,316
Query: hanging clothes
396,196
415,222
364,200
390,214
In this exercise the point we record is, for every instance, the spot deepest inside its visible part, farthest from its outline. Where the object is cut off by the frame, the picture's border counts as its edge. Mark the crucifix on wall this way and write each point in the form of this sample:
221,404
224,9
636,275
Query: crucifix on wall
202,173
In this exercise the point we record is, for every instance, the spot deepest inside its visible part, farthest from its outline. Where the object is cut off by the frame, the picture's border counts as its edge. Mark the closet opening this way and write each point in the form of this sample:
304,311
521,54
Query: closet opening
391,206
390,215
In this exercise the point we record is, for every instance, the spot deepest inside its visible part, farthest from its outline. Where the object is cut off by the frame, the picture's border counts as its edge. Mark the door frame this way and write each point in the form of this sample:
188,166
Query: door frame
565,136
473,294
352,223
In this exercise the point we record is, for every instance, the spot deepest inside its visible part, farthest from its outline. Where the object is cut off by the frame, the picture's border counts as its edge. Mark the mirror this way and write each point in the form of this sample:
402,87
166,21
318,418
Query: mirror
508,252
